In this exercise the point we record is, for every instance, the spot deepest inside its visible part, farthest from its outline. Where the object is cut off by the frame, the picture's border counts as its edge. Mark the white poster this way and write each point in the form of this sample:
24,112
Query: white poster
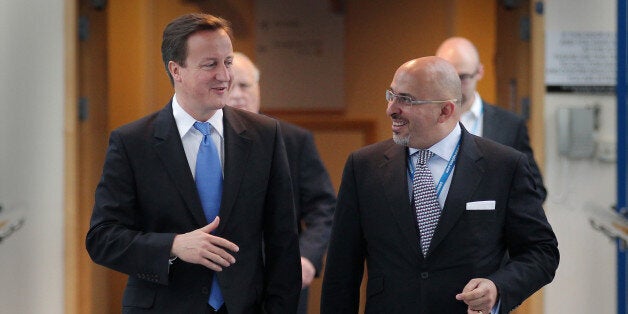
580,58
300,53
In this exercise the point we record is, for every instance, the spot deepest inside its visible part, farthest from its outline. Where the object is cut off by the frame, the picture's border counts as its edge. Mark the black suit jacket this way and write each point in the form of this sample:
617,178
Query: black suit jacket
314,194
147,195
375,222
508,128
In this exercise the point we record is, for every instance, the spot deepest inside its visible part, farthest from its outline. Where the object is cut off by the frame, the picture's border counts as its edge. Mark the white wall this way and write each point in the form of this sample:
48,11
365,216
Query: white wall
586,278
31,154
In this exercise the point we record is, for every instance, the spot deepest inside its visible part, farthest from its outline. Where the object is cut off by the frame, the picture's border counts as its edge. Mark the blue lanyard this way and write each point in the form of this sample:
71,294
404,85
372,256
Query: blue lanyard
448,169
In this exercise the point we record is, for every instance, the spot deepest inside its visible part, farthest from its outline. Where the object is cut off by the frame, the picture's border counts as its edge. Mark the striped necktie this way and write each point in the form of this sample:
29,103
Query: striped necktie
425,200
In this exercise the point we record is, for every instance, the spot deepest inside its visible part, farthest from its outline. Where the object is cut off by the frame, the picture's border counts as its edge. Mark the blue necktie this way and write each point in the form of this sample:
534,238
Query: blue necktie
209,184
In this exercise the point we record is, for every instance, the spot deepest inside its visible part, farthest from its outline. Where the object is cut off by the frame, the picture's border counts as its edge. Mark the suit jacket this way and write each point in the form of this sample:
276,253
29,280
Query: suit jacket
508,128
375,222
314,194
147,195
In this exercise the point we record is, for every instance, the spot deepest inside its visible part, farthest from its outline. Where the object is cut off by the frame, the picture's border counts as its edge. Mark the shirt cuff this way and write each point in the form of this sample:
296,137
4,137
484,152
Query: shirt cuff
496,307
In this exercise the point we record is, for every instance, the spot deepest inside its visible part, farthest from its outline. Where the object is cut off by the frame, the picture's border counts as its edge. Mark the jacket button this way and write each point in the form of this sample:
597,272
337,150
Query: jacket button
424,275
204,290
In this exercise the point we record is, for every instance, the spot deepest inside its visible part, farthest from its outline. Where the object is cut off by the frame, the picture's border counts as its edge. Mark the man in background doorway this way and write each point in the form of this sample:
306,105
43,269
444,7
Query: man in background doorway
481,118
314,194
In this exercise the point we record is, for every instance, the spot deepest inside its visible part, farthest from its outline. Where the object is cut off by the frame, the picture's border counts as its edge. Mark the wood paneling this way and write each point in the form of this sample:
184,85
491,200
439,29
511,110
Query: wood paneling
85,293
74,267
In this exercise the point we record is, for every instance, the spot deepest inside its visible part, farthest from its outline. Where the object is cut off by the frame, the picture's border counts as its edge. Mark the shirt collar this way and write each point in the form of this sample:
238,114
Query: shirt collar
185,121
476,107
445,147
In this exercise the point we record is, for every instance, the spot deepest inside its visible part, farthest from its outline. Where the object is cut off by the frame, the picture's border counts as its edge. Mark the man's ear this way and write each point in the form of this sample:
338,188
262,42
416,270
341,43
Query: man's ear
480,73
447,111
175,70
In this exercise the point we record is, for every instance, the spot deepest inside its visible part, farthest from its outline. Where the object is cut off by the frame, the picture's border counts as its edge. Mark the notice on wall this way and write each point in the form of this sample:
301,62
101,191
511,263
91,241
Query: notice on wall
580,61
300,53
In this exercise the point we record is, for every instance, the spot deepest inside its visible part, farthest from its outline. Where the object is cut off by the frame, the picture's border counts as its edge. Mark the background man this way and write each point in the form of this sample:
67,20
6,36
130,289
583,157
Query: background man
155,213
434,210
314,194
481,118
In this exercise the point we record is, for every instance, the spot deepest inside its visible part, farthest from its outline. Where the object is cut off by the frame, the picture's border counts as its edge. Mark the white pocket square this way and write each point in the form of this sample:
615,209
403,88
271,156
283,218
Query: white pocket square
481,205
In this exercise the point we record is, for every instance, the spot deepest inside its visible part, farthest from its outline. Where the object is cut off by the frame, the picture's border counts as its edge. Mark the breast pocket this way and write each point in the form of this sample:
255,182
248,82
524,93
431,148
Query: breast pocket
480,216
479,228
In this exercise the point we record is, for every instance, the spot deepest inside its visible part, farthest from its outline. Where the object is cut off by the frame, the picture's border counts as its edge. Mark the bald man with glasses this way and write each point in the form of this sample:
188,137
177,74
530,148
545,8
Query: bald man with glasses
478,116
432,212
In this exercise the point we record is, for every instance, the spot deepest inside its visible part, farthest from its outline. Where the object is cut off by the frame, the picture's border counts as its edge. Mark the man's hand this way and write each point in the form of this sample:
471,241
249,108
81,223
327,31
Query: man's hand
480,294
200,247
307,272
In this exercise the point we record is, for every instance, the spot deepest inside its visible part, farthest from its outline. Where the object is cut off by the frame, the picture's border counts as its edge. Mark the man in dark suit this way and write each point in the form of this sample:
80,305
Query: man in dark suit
314,194
481,118
434,230
149,219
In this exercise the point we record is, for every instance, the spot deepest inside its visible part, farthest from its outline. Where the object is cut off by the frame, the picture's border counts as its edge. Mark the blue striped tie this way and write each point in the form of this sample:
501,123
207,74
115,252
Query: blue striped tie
209,184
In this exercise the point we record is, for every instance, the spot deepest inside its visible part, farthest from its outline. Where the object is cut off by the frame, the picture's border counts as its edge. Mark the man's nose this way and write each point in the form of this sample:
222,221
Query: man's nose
236,91
393,107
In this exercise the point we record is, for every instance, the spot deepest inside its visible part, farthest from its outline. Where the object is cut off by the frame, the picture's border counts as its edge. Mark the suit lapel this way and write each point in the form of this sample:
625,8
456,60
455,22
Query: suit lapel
395,187
237,151
169,148
468,175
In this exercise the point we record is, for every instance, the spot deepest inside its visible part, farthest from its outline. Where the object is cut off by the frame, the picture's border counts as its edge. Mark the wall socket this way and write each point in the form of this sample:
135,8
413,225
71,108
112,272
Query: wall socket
606,151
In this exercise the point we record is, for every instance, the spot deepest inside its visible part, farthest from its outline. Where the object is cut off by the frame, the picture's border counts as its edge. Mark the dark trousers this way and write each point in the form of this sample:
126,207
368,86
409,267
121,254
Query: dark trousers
302,309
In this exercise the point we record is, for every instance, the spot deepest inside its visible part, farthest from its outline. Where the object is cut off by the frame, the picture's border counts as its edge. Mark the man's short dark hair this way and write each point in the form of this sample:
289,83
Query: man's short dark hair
174,43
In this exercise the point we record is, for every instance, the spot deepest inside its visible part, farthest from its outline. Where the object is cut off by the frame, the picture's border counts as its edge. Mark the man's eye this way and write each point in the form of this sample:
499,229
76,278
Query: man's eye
244,85
405,100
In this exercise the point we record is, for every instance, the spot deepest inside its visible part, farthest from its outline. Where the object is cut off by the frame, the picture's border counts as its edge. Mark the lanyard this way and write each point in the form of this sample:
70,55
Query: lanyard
446,173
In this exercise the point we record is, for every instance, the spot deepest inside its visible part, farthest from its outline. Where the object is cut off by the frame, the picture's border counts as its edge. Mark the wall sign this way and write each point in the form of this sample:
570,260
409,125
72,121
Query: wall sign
580,61
300,53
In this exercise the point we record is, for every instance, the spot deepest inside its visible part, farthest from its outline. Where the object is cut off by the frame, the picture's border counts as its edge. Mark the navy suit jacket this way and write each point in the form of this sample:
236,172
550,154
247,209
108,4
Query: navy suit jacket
314,195
375,222
508,128
147,195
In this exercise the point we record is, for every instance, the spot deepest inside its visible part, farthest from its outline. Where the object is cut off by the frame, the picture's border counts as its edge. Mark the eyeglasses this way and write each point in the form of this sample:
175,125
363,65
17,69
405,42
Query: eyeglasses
408,101
466,76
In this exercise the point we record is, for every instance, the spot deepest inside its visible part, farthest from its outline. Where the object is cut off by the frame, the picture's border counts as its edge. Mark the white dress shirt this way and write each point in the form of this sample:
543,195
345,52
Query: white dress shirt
472,119
191,137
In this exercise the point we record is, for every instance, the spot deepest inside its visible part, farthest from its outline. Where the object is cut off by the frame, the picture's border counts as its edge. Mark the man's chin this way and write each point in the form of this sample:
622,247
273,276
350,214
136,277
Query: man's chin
401,140
237,106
